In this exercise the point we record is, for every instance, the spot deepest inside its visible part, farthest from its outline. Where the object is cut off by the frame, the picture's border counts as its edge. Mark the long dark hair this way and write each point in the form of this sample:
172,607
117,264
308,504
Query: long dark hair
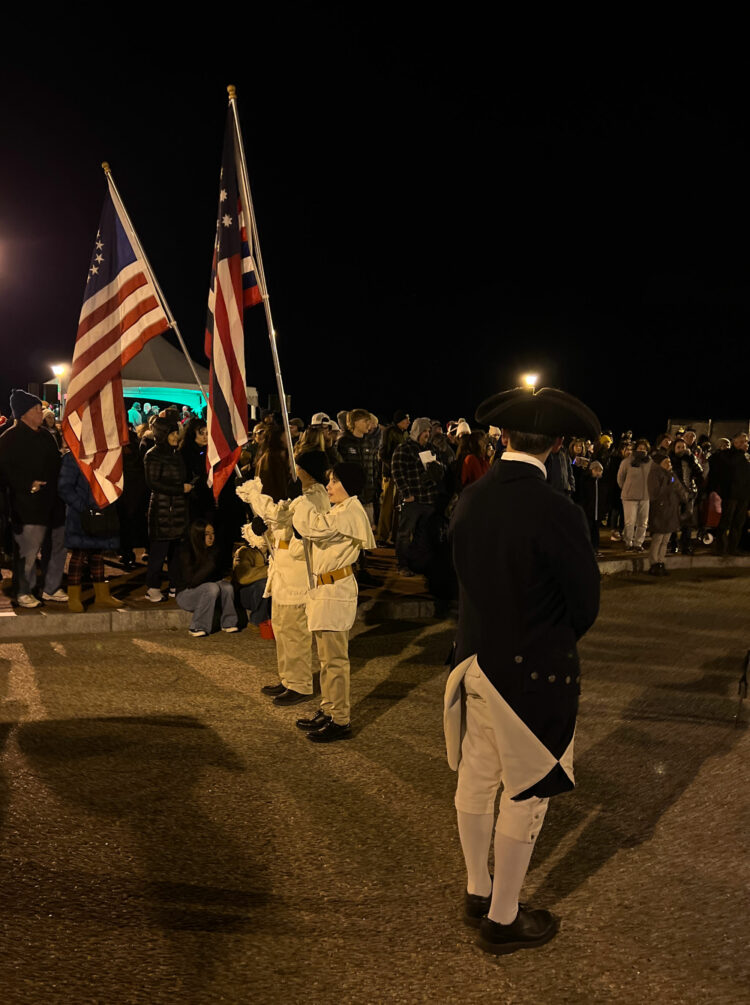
197,537
472,444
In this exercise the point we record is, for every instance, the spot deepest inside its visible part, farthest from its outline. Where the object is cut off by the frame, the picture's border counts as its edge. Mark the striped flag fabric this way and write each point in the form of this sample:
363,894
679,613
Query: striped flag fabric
120,314
234,287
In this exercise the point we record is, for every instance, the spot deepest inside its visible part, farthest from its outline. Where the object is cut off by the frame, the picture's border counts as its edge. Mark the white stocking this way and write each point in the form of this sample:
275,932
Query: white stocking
512,859
475,832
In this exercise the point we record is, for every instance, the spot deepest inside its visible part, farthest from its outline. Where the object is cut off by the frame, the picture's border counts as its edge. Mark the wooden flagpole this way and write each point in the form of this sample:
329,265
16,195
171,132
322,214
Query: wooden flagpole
254,245
147,265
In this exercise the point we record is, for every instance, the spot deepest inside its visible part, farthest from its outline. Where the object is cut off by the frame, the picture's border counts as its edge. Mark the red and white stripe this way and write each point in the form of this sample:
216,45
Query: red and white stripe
114,326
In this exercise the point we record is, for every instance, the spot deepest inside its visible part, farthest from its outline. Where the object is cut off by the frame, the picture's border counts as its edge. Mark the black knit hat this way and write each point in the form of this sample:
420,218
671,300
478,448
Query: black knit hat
548,411
315,463
21,401
163,427
399,415
351,476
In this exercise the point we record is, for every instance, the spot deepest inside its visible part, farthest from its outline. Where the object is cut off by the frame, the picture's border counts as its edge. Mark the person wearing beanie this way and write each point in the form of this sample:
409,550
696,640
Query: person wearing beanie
418,477
29,468
334,540
528,590
393,436
288,580
168,516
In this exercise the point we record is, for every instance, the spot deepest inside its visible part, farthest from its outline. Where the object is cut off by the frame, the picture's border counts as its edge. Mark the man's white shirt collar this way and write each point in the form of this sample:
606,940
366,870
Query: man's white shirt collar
518,455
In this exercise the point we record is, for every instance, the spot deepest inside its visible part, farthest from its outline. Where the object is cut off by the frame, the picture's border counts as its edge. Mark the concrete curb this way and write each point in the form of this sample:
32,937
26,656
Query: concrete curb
46,623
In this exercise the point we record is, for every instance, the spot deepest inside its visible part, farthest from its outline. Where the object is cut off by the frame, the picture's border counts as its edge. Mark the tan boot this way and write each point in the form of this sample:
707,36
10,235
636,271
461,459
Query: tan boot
74,600
102,597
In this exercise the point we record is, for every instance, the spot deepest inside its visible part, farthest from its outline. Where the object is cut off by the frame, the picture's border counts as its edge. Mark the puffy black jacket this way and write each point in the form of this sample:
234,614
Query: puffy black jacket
363,451
26,456
166,477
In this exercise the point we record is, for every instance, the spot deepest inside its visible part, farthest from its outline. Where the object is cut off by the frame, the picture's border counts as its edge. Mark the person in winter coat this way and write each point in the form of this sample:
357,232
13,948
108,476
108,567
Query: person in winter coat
733,480
84,545
272,465
168,508
666,494
198,582
393,436
29,468
632,477
471,460
193,449
357,447
288,581
335,540
690,474
588,497
133,503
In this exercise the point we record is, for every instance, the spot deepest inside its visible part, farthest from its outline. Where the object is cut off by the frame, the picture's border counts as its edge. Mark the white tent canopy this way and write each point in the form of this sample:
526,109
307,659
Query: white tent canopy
159,369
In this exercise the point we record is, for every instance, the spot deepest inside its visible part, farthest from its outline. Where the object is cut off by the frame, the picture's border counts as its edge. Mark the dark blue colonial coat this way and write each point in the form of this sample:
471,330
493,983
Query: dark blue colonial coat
529,589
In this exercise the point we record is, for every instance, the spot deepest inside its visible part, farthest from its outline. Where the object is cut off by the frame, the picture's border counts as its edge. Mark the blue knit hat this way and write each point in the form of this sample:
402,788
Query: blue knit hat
21,401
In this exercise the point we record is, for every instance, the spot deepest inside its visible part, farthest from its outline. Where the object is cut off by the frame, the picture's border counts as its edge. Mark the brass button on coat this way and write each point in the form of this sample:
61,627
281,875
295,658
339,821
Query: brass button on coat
552,678
534,675
518,659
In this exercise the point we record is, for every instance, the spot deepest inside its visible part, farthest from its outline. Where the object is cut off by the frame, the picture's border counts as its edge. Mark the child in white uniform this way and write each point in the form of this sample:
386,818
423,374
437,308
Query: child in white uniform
335,541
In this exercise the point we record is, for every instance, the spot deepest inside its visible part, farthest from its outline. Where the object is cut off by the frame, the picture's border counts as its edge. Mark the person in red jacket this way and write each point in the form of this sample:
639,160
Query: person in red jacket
471,460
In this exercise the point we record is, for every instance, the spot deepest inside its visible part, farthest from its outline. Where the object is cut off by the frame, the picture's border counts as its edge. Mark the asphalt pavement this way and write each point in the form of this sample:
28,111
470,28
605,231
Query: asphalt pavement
167,835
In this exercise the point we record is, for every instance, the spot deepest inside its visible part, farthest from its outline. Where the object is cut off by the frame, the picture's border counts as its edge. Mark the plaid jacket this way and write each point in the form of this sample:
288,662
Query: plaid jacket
410,476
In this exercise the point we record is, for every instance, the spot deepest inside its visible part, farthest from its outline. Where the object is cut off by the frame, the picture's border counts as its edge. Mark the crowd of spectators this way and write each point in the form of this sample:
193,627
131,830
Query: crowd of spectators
679,493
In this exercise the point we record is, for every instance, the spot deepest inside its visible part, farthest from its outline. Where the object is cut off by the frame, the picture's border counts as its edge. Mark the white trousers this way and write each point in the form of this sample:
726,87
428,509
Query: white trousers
480,770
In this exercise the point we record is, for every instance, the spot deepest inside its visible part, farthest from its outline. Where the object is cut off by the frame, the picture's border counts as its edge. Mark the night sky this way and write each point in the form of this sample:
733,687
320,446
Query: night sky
440,209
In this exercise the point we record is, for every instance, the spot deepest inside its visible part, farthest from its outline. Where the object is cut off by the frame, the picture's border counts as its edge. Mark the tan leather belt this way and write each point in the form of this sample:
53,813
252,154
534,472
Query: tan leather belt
327,578
284,545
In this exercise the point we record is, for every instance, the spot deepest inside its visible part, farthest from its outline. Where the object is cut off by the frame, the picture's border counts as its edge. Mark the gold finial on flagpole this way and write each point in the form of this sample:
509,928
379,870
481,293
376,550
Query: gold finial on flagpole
231,91
105,166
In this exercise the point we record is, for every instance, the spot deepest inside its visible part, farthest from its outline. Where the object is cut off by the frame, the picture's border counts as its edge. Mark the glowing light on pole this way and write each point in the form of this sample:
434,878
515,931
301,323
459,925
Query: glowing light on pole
530,380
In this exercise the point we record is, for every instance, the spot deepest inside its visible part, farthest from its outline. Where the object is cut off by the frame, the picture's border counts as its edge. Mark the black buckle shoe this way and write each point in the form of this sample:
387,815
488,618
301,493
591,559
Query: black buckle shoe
273,690
330,732
290,697
475,908
319,720
530,929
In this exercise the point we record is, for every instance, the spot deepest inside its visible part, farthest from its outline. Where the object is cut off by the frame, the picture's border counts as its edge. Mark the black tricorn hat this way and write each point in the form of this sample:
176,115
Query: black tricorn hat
548,411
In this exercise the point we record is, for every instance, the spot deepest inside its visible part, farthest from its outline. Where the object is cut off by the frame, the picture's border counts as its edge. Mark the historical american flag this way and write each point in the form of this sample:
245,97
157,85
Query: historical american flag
234,286
120,314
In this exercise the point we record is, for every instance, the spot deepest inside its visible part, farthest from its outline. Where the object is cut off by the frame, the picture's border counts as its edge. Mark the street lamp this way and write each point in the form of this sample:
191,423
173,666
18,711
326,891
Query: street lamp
530,380
60,370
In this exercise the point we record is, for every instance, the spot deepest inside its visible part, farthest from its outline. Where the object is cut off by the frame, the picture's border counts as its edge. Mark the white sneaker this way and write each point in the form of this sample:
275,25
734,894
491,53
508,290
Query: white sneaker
26,600
59,596
232,628
197,633
172,593
154,595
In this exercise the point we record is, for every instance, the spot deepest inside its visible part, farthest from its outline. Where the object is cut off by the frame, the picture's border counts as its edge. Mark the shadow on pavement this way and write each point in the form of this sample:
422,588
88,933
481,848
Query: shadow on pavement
634,775
140,774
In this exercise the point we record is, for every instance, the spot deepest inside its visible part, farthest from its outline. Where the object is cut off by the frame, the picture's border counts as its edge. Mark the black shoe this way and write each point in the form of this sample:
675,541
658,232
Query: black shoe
475,908
319,720
289,697
331,731
530,929
273,689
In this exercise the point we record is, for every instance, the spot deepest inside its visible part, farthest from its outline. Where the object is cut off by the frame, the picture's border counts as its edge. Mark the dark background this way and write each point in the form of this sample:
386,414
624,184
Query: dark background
441,206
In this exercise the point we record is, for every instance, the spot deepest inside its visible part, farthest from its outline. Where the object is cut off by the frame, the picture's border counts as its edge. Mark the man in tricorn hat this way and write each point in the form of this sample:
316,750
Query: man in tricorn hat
529,589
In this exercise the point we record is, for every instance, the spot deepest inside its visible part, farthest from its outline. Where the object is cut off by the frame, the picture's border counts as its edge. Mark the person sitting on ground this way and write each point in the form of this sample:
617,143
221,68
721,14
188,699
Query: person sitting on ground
198,582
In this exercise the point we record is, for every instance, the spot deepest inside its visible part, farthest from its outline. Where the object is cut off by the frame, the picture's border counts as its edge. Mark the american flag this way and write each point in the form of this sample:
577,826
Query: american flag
120,314
234,287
